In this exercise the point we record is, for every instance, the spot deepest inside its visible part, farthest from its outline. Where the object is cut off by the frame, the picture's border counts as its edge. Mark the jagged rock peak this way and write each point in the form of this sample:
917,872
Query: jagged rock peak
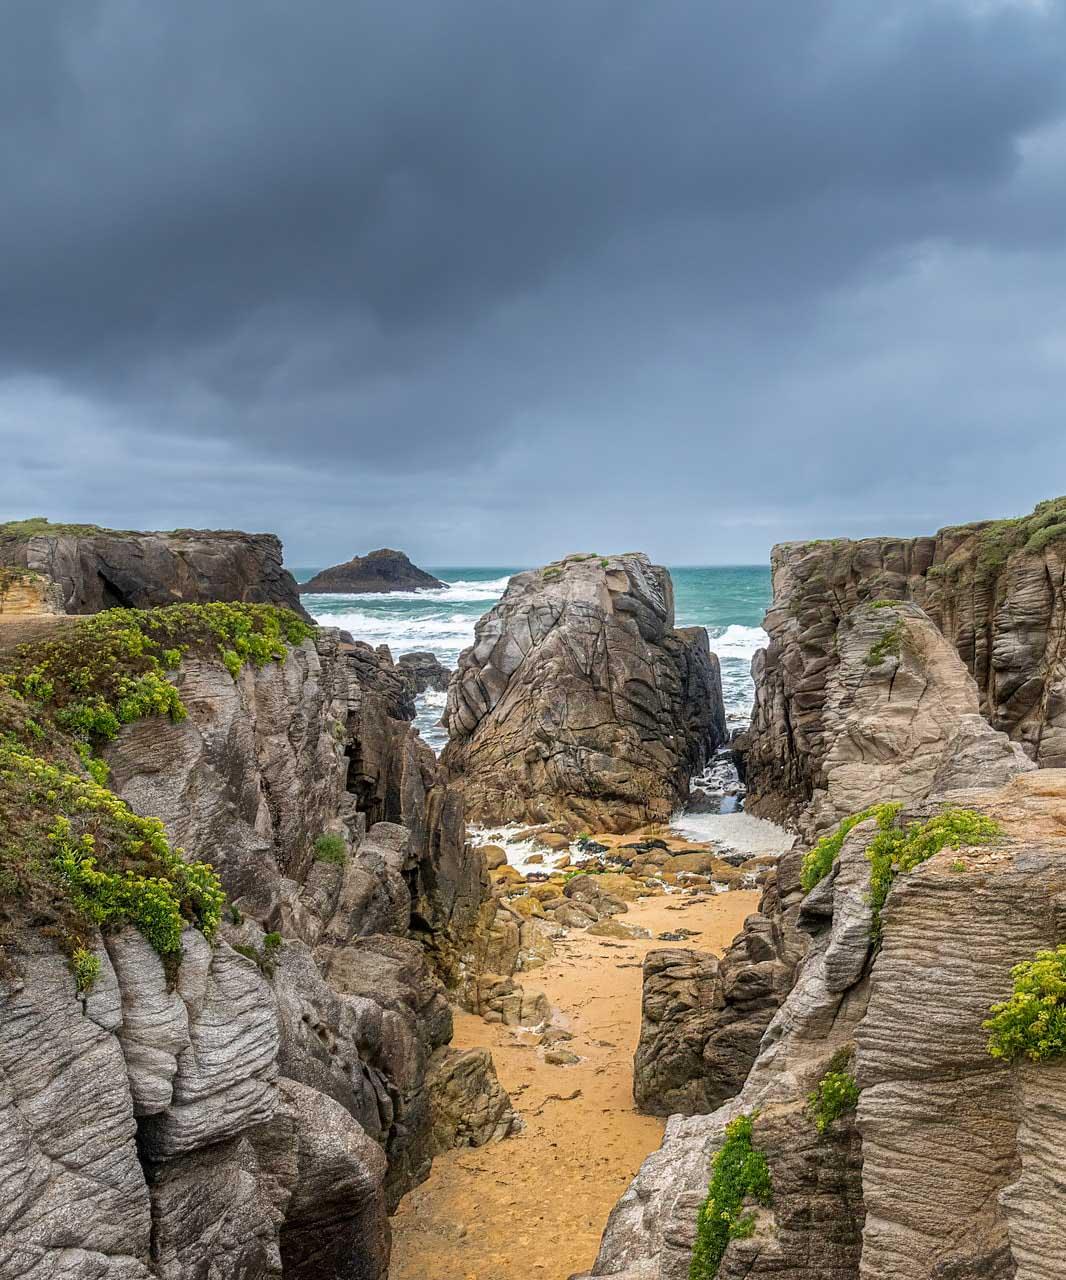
92,568
377,572
579,701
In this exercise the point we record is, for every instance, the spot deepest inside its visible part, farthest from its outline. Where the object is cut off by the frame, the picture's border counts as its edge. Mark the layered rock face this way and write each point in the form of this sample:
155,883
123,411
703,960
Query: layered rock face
952,1163
376,572
995,591
258,1112
579,702
941,1171
108,569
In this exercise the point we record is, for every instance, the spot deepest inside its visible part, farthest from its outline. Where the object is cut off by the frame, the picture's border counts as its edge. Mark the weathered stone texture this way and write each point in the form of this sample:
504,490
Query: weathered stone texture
110,570
1004,615
579,702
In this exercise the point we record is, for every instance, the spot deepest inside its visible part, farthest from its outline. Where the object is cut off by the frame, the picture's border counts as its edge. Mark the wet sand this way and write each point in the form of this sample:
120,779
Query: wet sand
534,1207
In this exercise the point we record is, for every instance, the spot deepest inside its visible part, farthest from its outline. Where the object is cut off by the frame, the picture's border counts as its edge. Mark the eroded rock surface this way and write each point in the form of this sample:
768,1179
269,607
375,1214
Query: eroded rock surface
1001,607
113,569
579,701
940,1172
258,1111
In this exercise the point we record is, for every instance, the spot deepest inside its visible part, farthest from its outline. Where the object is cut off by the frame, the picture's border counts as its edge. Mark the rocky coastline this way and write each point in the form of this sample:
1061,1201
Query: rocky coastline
243,910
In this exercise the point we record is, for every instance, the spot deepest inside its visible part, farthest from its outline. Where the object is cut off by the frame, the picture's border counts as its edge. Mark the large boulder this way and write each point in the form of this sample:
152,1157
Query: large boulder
580,703
95,569
376,572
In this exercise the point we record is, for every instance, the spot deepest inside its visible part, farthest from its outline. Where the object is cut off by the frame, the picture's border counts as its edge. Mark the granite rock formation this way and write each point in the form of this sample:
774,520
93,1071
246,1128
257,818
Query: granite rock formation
580,703
95,569
378,571
995,590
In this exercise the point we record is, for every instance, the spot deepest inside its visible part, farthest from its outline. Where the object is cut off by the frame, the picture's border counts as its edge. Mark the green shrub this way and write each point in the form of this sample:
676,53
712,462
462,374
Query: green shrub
739,1173
331,848
70,846
835,1093
86,968
894,851
818,861
1032,1022
267,957
272,944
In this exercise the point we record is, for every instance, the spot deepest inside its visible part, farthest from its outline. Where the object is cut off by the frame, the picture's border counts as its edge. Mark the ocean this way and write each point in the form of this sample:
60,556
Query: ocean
729,601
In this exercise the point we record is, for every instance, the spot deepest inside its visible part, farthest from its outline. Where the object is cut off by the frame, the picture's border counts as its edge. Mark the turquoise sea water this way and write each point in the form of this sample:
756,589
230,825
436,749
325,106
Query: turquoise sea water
728,601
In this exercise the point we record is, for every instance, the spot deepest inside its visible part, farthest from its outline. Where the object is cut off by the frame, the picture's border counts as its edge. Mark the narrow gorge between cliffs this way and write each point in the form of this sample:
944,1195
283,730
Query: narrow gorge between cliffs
288,994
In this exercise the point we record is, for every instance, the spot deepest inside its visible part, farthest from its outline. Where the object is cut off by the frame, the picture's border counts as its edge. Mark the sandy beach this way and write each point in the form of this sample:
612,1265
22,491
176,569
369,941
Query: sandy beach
533,1207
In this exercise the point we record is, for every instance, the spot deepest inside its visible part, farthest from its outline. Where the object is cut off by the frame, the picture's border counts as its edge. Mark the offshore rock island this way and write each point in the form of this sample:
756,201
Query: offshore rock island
269,970
378,571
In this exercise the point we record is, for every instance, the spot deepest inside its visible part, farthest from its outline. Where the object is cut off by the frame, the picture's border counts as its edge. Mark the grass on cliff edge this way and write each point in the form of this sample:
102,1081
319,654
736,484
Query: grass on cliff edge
41,526
895,850
739,1173
997,540
111,668
73,857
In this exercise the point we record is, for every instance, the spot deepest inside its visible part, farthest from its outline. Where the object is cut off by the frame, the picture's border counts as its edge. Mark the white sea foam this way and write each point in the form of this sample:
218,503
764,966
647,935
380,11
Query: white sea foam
740,831
740,642
458,592
434,698
401,633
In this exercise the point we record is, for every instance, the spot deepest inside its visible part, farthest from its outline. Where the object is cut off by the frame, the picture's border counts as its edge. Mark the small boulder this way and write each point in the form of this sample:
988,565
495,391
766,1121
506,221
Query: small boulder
495,857
617,929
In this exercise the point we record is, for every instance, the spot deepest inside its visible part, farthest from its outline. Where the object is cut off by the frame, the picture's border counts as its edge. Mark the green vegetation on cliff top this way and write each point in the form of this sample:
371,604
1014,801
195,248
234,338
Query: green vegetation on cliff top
41,526
998,539
73,856
110,669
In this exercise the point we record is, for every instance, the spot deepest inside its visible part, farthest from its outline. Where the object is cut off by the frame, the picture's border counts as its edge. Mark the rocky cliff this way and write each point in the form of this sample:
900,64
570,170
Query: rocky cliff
378,571
950,1164
251,1106
94,569
580,702
847,1021
995,590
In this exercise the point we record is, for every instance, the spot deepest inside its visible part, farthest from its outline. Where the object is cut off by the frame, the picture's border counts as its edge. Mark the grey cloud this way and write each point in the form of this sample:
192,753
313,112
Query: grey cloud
497,278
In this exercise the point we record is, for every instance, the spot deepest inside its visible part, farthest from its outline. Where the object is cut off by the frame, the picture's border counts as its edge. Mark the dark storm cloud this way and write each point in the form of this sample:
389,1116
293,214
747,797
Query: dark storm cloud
495,278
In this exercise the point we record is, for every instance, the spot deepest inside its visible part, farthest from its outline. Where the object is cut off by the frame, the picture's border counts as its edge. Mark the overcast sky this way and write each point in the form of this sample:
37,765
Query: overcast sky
494,280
